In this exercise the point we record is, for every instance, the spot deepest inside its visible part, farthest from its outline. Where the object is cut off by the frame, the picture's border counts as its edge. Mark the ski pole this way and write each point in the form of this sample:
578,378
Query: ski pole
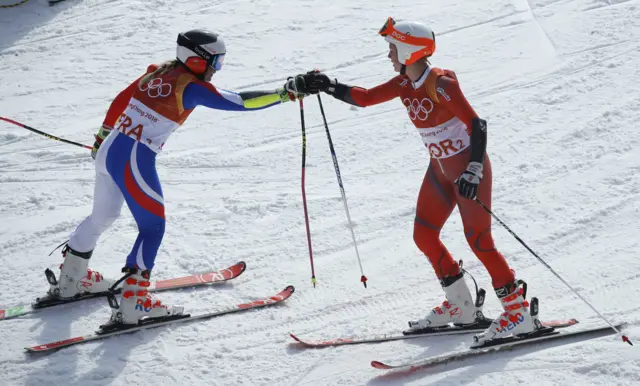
304,195
14,5
363,278
624,337
45,134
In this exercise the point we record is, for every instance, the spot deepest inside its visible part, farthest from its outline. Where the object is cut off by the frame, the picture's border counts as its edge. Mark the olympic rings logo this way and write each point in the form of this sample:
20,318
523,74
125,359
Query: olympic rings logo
156,89
418,109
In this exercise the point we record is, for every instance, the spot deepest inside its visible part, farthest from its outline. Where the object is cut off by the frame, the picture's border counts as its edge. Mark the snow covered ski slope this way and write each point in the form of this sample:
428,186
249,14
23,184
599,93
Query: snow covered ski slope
557,81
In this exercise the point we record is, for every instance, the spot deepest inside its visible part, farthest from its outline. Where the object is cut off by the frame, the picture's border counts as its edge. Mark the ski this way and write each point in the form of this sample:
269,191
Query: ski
547,334
153,323
195,280
453,330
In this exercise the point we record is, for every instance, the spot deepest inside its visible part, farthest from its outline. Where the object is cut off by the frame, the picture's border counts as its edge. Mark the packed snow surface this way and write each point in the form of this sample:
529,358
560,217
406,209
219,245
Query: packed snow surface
557,81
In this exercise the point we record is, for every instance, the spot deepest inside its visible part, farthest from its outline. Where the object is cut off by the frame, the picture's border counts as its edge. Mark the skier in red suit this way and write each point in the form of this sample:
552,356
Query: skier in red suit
459,172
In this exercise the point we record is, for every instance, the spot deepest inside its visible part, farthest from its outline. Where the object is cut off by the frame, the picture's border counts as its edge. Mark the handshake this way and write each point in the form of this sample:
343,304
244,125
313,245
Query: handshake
312,82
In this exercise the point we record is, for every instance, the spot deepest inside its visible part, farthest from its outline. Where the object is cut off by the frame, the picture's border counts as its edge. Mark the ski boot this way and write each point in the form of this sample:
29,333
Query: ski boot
458,311
137,306
76,280
517,320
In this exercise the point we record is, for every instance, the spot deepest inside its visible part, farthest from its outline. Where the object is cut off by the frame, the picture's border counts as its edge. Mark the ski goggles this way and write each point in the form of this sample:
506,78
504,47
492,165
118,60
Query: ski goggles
216,62
388,29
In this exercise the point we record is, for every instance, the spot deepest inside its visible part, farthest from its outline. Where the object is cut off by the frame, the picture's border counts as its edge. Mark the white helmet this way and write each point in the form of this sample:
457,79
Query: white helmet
198,49
412,39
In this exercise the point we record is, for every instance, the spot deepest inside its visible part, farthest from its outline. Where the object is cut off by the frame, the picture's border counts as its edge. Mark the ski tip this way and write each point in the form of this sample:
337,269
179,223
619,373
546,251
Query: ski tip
236,270
626,340
55,345
295,337
290,289
380,365
36,349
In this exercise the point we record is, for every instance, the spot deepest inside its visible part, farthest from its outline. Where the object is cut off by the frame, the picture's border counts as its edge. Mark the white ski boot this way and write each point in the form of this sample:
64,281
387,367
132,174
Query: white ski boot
76,279
136,303
516,318
458,309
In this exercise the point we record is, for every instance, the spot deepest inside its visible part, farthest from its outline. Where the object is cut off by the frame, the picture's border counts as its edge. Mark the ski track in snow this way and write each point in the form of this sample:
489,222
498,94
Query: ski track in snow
556,79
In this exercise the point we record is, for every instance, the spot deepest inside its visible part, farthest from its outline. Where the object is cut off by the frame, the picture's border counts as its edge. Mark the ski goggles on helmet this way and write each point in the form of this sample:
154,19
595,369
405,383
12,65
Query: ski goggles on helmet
389,30
216,62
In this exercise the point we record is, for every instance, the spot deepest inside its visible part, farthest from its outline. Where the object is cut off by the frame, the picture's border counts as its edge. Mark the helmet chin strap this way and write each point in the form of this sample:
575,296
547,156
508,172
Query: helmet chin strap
403,69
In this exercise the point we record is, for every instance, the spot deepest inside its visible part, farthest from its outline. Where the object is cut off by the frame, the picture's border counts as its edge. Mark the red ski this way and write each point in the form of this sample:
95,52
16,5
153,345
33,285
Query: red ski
266,302
196,280
200,279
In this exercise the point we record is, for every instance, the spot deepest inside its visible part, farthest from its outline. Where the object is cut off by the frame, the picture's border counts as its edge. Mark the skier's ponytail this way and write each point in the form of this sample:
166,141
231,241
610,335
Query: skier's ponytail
162,69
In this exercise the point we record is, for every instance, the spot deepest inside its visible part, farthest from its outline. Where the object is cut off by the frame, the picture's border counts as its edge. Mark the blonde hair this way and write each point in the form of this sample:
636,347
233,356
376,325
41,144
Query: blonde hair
162,69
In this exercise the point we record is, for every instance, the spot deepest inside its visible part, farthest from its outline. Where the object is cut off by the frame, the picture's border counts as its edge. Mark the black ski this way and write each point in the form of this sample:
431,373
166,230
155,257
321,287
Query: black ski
493,346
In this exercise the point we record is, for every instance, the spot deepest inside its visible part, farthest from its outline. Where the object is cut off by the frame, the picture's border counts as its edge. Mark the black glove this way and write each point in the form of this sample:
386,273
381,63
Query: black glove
295,87
469,180
102,134
314,82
